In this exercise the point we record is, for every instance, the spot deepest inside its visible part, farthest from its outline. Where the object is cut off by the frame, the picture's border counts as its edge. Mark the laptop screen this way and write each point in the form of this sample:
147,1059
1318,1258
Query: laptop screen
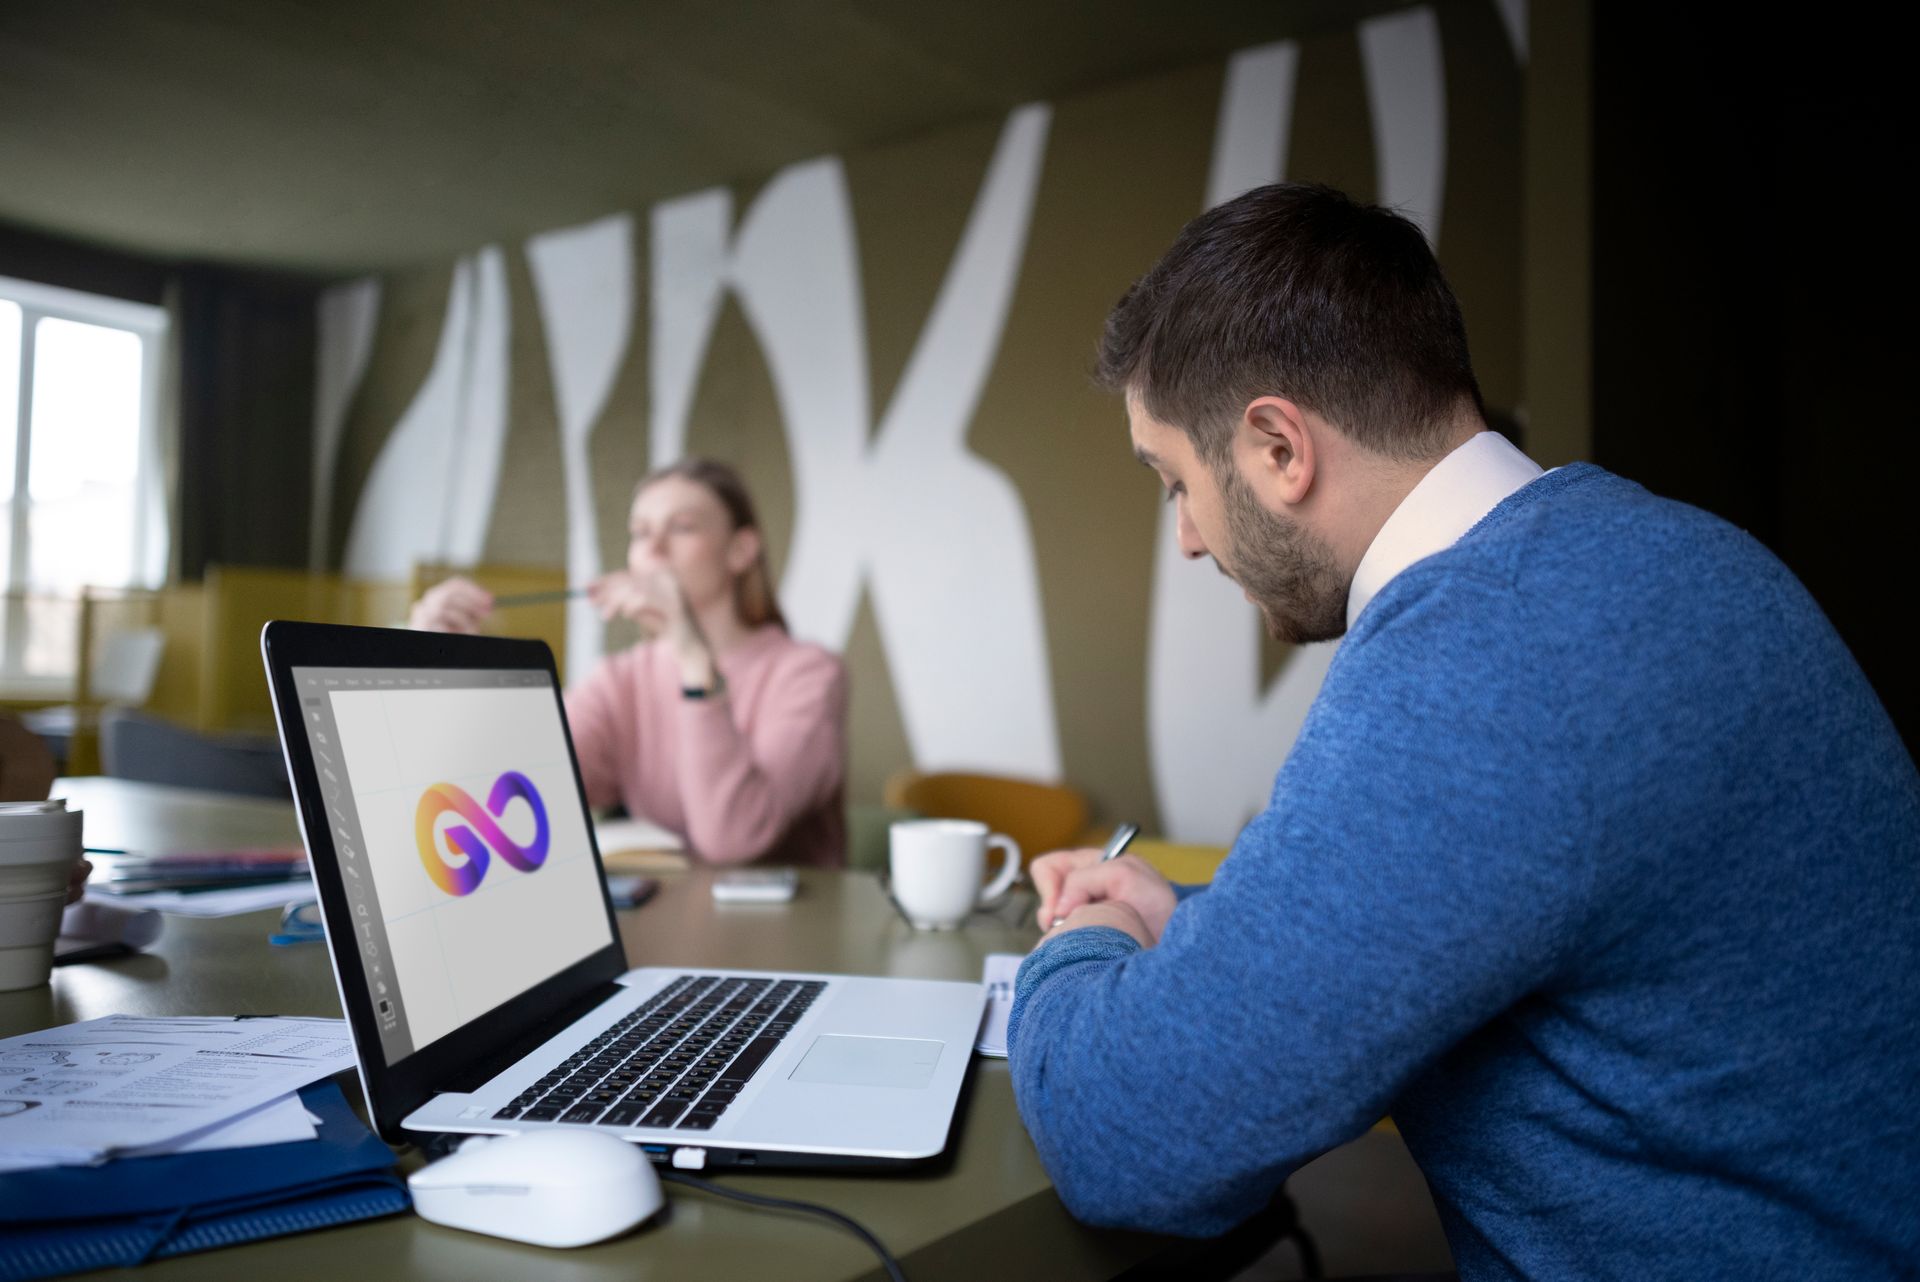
465,855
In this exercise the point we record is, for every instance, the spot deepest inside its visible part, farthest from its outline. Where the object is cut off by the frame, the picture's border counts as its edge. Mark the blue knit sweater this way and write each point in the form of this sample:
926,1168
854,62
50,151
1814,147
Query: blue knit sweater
1597,865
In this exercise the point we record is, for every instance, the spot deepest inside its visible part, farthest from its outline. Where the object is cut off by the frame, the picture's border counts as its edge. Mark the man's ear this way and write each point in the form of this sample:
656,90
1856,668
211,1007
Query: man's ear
743,549
1274,448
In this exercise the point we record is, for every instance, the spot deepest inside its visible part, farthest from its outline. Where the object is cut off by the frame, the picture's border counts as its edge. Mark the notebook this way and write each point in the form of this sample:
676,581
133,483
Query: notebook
997,973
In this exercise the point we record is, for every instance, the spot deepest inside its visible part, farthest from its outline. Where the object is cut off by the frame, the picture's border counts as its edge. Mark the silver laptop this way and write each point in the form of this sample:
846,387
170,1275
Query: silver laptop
479,961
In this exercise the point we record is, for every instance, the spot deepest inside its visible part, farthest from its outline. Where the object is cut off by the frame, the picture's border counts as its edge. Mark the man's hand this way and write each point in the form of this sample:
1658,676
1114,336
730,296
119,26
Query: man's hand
1069,880
457,605
1110,913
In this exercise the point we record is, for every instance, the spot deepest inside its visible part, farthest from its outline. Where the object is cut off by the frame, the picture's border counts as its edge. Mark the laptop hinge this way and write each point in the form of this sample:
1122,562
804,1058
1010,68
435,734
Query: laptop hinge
483,1069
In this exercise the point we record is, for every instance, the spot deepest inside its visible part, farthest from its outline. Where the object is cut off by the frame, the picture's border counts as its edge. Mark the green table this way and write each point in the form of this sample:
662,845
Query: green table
989,1212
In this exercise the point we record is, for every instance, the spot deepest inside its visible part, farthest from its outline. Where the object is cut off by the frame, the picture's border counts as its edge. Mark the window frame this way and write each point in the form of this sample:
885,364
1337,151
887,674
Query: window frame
149,323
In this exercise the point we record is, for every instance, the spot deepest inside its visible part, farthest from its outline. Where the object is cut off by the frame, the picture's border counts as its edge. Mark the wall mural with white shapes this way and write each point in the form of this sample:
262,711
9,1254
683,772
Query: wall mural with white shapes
583,278
886,507
345,344
894,346
1406,93
431,492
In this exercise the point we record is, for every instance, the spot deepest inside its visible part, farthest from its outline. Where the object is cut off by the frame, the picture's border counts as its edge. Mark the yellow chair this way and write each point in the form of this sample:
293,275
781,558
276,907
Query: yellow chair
181,615
237,599
1039,816
1191,865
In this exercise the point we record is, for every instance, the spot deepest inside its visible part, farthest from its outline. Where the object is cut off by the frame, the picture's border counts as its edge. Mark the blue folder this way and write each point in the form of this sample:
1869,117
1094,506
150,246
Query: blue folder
68,1219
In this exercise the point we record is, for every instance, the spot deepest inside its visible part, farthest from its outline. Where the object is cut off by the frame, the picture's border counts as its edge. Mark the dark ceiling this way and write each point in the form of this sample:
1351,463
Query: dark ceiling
339,137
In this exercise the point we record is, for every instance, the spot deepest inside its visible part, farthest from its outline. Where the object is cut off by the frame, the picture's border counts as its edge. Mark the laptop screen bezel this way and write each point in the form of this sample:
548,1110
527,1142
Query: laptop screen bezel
395,1090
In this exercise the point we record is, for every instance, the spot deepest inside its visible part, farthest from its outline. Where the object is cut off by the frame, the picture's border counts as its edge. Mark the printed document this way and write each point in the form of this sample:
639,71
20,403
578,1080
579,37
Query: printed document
85,1092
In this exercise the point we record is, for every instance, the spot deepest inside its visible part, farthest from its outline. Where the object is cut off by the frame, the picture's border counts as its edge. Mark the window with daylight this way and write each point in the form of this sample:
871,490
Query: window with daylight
81,504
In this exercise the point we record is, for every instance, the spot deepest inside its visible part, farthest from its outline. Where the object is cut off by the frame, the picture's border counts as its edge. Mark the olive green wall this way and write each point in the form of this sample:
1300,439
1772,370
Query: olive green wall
1119,171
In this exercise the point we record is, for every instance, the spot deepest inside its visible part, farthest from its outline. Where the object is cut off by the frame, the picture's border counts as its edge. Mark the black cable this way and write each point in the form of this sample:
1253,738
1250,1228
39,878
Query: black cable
670,1176
1310,1266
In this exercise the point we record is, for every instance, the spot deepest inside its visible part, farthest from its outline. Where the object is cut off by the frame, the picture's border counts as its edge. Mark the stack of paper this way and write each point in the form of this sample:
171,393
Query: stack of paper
212,883
129,873
127,1086
224,901
634,834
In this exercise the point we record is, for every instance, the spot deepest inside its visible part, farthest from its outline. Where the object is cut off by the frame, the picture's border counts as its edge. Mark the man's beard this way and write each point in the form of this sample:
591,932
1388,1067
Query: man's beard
1290,575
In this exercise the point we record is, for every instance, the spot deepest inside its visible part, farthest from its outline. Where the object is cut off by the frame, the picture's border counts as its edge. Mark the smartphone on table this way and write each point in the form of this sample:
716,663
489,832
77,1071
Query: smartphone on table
629,891
755,886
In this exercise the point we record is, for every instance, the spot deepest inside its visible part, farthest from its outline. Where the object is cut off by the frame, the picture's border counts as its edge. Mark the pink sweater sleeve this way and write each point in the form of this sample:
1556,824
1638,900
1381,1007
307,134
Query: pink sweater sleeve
744,789
601,725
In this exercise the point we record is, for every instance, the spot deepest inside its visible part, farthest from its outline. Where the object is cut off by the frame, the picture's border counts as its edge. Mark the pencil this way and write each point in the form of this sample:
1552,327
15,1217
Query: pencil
537,598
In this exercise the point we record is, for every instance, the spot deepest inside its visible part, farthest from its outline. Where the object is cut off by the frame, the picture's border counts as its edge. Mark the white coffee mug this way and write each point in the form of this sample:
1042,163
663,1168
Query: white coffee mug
39,845
937,865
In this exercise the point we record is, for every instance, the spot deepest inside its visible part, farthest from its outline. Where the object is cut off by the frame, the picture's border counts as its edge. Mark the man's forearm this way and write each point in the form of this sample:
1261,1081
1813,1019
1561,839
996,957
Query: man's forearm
1072,948
1099,1138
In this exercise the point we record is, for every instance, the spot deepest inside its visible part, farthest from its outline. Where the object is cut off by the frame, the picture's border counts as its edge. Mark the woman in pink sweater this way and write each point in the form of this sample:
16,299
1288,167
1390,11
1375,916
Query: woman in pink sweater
720,726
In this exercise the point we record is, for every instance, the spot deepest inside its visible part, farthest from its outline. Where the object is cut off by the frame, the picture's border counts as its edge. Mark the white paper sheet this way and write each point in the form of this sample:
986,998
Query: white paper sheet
284,1121
997,974
87,1091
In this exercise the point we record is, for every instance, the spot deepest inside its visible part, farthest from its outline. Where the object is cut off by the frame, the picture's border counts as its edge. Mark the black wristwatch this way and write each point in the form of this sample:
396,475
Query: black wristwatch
714,691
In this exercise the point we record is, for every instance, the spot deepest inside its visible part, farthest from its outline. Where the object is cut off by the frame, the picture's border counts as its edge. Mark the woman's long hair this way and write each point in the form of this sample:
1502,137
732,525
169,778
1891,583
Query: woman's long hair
753,590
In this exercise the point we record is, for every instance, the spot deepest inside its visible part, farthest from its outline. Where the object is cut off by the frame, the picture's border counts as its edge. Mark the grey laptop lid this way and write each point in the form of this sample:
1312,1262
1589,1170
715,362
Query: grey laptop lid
447,831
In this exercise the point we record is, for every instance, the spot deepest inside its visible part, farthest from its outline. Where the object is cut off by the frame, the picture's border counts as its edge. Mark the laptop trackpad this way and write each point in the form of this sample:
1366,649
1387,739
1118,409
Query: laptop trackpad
869,1061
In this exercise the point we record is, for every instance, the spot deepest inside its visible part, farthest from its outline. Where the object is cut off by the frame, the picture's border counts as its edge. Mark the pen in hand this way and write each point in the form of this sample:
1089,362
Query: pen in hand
536,598
1121,836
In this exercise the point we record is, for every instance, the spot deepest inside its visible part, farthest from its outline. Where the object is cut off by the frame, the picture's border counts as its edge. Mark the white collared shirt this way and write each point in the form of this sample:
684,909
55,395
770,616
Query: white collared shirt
1449,500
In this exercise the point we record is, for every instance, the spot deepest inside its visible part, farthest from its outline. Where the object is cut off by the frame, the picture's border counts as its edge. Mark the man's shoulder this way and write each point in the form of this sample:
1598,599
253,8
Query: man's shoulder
1581,540
1583,571
1580,504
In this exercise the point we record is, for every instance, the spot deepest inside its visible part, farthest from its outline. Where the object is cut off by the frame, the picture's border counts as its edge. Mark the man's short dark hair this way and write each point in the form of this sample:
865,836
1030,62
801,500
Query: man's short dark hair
1303,292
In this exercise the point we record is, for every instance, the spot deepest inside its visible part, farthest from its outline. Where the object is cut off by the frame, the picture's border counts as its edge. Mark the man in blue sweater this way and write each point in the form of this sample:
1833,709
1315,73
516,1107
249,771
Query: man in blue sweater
1596,863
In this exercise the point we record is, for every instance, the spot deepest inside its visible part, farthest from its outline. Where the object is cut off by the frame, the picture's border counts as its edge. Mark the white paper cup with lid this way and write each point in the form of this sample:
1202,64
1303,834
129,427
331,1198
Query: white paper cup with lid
39,846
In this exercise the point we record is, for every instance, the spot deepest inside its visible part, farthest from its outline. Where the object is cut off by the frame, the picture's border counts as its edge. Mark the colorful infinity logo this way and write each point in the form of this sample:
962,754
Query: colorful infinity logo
468,840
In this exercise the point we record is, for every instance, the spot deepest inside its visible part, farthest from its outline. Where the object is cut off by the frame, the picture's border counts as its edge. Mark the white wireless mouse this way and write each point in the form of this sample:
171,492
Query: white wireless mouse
551,1188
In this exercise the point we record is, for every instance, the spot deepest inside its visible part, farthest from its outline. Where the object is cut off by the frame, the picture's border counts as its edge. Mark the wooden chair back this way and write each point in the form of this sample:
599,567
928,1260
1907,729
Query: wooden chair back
1039,816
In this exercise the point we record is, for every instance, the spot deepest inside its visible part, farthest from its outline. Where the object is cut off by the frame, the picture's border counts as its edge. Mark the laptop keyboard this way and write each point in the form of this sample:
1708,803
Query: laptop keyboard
678,1061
